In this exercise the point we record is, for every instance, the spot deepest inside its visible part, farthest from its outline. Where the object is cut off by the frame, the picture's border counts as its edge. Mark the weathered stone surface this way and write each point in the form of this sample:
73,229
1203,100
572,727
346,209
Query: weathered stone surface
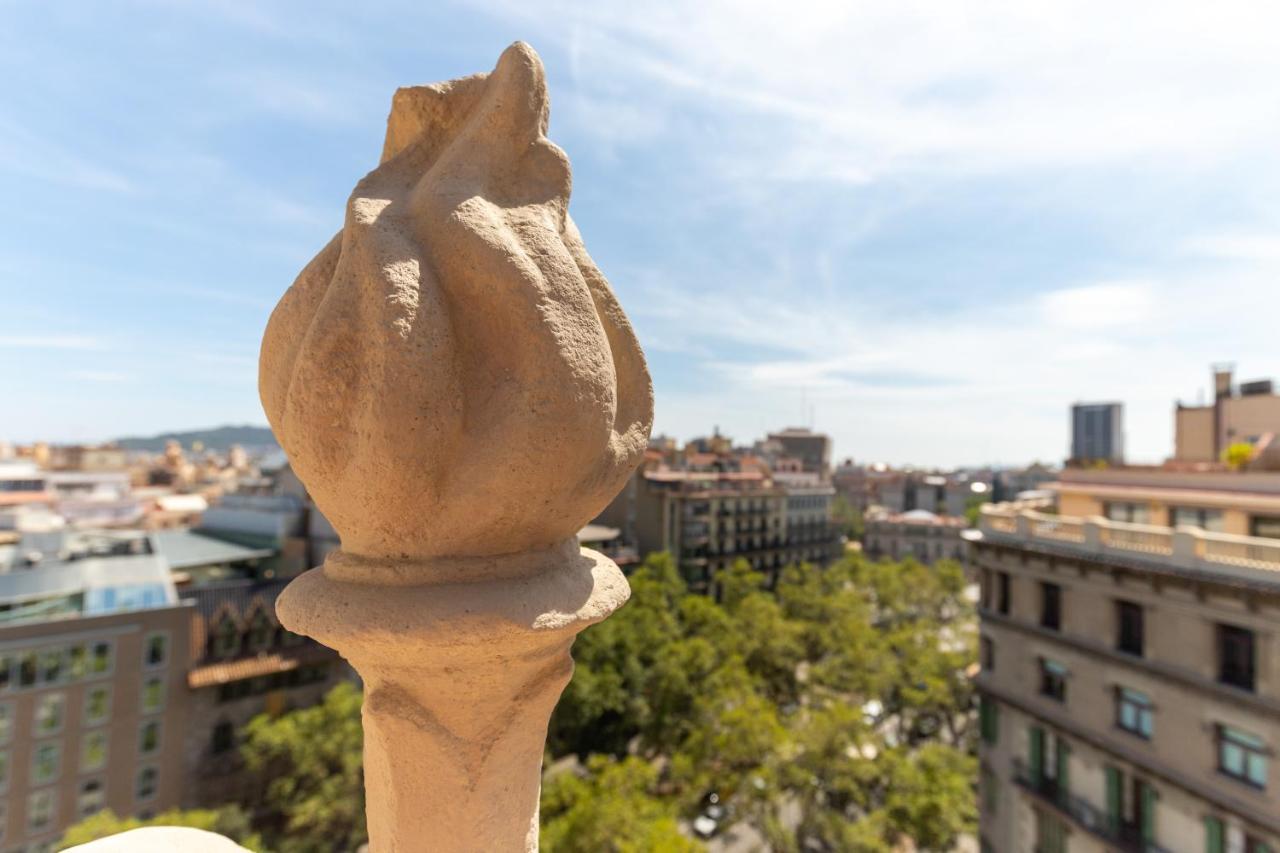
459,390
452,376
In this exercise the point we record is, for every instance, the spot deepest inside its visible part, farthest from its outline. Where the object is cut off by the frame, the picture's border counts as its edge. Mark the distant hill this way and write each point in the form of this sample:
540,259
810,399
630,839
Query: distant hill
216,438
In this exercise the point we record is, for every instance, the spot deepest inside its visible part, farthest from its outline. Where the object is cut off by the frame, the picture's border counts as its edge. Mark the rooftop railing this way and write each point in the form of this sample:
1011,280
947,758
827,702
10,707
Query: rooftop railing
1250,558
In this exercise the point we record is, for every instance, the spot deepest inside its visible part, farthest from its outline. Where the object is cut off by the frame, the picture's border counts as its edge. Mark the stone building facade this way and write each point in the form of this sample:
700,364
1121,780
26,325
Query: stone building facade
243,663
1130,687
92,715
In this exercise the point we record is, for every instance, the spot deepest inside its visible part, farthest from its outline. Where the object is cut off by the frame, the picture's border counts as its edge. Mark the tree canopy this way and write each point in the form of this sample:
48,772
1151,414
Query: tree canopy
829,710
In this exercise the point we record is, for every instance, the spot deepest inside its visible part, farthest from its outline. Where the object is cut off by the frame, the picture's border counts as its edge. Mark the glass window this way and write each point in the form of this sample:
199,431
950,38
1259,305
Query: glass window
40,807
51,666
1051,833
6,672
4,778
93,751
1129,513
6,721
990,790
1236,656
46,760
152,694
156,651
27,670
78,662
1053,680
149,737
91,797
1242,756
987,651
48,716
100,664
147,779
224,737
1266,526
1129,636
97,704
1002,598
1051,606
226,638
1206,519
1134,712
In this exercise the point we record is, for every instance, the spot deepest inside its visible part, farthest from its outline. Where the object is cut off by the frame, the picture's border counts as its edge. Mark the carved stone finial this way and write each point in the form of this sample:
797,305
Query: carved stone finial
455,383
452,375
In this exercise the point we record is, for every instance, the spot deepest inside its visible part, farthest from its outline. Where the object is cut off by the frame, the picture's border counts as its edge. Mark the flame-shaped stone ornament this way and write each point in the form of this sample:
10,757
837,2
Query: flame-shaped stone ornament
455,383
452,376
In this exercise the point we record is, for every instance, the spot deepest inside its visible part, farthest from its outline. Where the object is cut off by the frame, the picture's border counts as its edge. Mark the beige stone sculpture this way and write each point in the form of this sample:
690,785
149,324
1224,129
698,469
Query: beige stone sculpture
455,383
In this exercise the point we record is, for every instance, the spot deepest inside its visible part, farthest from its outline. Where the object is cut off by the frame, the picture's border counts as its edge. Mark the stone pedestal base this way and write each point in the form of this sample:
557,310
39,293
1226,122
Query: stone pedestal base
460,681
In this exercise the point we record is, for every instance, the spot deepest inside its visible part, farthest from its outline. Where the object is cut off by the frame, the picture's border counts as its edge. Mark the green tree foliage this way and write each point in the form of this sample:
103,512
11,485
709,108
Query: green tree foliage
228,820
828,710
613,807
848,517
311,759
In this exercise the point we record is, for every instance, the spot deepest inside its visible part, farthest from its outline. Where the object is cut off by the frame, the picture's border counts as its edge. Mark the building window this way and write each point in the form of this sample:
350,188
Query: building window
1134,712
147,779
1242,756
1206,519
152,694
51,669
987,649
1129,513
78,662
1002,593
156,651
40,808
4,775
46,760
989,719
6,672
6,721
97,705
93,751
1051,606
48,716
226,637
149,737
1051,833
1266,526
1129,623
990,790
224,737
100,662
1236,656
90,798
1053,680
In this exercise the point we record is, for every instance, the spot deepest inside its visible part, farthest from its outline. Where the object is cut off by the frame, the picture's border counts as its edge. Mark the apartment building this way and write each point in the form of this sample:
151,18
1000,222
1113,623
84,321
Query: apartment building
708,519
242,663
1240,503
919,534
93,702
1130,684
1245,413
1097,433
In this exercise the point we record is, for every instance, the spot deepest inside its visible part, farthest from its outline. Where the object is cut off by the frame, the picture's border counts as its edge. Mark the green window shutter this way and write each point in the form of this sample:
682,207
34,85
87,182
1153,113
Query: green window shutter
1037,753
1148,813
987,719
1064,783
1212,835
1113,798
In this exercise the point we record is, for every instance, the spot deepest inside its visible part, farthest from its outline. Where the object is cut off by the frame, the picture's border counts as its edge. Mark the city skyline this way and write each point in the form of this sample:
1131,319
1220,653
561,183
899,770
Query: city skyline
924,235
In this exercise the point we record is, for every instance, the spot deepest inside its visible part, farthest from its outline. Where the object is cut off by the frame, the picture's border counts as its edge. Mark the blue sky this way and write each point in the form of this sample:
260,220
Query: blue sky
925,229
